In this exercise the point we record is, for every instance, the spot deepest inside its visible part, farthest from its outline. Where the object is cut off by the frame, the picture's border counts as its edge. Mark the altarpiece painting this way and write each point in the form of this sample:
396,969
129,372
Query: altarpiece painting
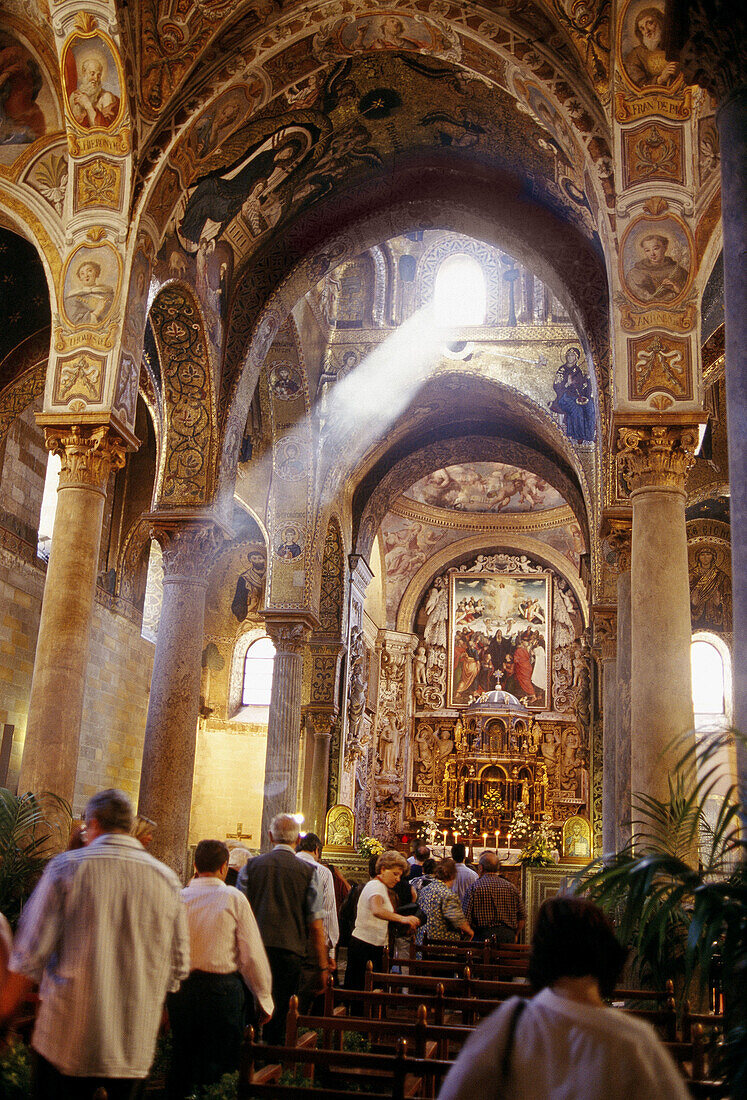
499,638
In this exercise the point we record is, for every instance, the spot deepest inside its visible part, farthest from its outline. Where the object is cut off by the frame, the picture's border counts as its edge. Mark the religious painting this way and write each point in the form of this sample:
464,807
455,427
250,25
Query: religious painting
251,187
137,302
573,398
92,81
26,101
340,828
91,284
250,584
291,459
384,30
644,40
290,544
285,382
710,586
223,117
656,259
576,838
491,487
499,638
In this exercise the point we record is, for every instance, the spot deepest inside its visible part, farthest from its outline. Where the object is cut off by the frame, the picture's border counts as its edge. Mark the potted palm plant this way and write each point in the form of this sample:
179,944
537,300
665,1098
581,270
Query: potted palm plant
678,890
32,829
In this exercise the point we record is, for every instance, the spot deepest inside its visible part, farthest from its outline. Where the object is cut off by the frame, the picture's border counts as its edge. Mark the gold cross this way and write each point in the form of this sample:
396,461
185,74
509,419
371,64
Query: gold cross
238,835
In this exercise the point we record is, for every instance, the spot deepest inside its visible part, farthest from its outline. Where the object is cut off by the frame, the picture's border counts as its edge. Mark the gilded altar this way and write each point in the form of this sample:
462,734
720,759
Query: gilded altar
491,761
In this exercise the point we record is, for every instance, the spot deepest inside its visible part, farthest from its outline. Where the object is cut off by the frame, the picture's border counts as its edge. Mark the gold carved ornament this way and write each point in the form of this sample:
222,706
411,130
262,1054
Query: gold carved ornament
656,457
88,455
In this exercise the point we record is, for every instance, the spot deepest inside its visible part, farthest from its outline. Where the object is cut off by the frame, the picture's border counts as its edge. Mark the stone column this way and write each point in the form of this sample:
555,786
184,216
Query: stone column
605,645
189,548
732,125
50,753
654,461
624,672
325,654
318,726
289,636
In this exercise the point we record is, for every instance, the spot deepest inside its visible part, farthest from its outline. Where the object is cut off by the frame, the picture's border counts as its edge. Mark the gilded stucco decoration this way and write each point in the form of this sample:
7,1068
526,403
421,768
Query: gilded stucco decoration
659,362
186,476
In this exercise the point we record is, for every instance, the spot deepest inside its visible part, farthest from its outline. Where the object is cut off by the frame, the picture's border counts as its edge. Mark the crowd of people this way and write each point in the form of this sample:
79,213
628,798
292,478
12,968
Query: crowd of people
118,950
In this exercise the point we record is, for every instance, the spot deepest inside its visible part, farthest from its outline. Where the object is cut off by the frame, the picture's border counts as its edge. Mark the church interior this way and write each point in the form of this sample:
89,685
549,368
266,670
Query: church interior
372,404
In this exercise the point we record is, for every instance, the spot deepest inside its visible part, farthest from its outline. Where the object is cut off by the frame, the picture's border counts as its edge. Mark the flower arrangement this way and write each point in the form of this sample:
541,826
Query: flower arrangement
538,851
430,831
464,821
369,846
521,826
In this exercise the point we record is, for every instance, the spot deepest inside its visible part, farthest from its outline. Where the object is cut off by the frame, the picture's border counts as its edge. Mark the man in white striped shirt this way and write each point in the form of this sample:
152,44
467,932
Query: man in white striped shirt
207,1013
309,849
105,935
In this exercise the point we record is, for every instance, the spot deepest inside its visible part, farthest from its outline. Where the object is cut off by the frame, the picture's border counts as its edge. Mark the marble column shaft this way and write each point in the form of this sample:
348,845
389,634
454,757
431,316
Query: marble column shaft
50,754
609,756
284,722
622,706
731,119
321,727
173,707
655,461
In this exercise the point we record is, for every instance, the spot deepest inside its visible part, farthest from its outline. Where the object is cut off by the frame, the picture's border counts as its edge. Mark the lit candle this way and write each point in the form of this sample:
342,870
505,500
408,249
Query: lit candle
484,840
456,837
497,837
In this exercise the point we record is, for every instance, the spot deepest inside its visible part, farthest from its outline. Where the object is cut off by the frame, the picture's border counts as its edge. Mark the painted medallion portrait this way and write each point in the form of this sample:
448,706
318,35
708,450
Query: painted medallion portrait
92,80
290,544
26,101
644,46
499,638
386,30
91,284
656,261
285,382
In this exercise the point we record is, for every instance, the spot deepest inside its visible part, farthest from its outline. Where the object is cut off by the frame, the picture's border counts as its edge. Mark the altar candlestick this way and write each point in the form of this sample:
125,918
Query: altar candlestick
509,842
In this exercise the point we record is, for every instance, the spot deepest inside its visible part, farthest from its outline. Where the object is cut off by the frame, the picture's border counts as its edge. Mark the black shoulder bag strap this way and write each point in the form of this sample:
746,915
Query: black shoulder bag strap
508,1049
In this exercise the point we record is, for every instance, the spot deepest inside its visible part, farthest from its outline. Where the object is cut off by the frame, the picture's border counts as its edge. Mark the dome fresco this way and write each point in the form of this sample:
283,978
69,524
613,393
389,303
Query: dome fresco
485,487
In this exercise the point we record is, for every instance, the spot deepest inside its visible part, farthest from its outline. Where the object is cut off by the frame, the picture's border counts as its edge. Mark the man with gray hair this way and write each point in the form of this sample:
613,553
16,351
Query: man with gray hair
284,894
105,936
493,905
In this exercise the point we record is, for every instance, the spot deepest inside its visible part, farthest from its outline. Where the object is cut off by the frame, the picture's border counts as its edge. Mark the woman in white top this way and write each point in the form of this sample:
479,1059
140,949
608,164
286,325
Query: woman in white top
565,1042
375,912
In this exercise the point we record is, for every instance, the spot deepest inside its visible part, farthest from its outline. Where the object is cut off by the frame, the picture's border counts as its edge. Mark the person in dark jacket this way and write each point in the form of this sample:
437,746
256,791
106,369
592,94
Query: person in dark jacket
286,900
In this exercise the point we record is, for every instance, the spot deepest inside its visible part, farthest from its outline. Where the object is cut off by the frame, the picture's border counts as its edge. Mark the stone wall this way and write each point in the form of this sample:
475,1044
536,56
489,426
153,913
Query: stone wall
229,781
23,462
21,587
115,706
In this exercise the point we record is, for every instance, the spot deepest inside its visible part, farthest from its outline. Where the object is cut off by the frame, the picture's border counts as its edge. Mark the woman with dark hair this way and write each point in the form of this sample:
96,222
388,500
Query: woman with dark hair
565,1042
445,919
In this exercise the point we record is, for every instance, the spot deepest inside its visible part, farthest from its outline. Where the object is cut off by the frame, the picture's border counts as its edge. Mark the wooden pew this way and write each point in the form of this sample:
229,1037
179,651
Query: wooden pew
426,1038
396,1076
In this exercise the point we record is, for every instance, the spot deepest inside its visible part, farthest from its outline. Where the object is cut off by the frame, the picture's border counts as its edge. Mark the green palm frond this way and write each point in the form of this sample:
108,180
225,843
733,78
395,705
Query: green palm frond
32,828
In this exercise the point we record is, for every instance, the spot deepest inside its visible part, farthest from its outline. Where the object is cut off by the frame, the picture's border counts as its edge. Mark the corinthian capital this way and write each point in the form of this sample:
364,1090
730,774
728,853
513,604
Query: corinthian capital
604,619
616,531
190,545
656,456
88,454
289,635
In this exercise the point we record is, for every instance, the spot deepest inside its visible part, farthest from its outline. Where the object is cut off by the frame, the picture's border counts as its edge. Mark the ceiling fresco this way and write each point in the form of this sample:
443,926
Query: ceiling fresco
485,487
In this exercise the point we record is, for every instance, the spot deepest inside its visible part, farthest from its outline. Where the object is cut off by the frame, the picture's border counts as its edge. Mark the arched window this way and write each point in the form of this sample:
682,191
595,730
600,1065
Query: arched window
709,683
460,292
48,506
257,685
